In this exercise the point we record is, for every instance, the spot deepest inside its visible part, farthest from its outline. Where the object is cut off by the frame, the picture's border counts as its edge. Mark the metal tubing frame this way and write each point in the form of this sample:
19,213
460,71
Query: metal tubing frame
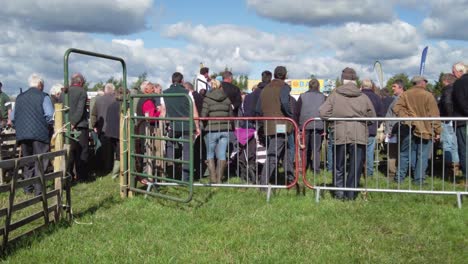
124,104
132,154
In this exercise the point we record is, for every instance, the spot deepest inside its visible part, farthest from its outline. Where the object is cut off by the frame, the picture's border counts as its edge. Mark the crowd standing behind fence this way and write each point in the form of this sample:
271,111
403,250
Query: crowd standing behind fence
351,140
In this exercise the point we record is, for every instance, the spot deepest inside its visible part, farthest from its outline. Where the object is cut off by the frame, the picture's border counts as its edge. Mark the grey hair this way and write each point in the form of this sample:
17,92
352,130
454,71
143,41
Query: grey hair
109,88
34,80
460,67
366,84
56,89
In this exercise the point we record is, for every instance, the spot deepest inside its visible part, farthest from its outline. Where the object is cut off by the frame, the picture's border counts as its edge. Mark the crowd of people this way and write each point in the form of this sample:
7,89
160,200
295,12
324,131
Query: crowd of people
351,143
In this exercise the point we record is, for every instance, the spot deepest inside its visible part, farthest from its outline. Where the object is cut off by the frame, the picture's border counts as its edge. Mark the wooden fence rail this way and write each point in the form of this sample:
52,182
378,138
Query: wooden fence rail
55,198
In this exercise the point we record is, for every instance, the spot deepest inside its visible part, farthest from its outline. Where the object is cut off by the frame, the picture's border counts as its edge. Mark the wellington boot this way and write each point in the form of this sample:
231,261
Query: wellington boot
212,169
220,169
116,169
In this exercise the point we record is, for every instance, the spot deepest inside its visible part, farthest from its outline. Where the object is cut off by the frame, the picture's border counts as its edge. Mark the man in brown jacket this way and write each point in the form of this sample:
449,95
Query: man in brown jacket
416,135
274,102
350,137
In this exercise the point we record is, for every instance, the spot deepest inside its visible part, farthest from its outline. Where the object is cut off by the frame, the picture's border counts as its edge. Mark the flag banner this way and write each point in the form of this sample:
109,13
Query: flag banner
423,61
379,73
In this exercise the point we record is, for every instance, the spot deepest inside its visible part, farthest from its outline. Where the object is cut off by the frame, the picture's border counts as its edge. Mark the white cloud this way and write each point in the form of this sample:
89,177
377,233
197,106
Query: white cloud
137,43
366,43
238,43
104,16
323,12
447,20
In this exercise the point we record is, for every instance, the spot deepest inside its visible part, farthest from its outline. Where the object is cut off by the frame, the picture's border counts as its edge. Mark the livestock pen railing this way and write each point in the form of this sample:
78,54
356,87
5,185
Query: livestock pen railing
20,212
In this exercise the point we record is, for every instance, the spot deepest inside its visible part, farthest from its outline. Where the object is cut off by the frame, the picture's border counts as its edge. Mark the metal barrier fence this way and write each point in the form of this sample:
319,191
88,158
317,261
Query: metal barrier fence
53,199
403,162
150,161
263,152
237,151
240,152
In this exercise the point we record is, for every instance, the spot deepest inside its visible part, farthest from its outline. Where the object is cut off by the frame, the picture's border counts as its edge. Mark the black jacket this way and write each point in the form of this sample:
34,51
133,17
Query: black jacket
113,120
198,98
460,98
378,107
446,102
29,119
234,94
254,100
77,103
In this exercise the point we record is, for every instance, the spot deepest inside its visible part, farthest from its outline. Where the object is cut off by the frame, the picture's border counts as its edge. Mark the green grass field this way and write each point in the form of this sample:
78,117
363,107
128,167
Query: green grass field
238,226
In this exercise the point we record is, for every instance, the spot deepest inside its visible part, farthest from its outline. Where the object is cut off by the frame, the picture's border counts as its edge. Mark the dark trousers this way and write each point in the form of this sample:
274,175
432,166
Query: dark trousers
79,152
176,149
29,148
344,177
461,139
276,149
199,156
115,143
313,143
104,155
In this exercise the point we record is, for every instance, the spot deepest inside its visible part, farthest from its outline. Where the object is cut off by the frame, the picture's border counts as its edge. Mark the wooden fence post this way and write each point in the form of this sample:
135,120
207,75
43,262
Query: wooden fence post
59,140
123,184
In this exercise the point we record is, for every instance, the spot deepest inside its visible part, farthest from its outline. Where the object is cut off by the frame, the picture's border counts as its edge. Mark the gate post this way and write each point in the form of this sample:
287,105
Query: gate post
58,145
123,148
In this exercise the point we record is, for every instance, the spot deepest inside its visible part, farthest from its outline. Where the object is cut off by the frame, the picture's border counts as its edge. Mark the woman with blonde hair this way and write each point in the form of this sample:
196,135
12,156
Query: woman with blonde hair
216,104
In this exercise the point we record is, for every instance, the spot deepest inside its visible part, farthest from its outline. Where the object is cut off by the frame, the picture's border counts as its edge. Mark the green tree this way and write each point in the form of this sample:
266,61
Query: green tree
116,82
437,89
338,82
98,86
401,76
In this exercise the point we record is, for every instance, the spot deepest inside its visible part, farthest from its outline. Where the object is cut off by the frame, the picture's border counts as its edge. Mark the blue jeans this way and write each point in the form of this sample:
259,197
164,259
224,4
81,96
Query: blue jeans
449,143
216,141
370,156
416,150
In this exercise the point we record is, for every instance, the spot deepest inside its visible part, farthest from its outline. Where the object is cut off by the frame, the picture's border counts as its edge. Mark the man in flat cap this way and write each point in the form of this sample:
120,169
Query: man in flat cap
416,135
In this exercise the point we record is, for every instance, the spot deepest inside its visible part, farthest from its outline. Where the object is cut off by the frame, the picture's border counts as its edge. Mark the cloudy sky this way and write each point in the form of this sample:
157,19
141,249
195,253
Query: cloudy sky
318,37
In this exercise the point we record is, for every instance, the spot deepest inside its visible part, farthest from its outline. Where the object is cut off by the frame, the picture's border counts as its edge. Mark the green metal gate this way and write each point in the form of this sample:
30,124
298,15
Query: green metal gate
143,150
128,137
69,134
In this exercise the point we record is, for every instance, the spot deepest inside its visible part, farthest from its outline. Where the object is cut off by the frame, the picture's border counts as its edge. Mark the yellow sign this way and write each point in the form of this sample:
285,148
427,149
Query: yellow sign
299,86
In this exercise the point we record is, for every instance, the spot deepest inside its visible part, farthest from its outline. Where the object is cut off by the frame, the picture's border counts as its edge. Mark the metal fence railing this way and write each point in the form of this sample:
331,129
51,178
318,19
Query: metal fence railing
406,159
263,152
237,154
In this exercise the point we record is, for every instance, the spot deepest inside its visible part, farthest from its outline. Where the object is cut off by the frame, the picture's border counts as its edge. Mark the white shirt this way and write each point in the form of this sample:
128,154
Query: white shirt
201,83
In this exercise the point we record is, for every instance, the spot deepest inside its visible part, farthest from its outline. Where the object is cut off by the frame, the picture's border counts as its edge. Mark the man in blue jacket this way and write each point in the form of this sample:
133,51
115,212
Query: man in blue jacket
32,117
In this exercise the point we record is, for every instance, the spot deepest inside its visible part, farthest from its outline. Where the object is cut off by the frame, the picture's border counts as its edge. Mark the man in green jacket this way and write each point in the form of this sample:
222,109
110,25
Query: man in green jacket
78,115
178,107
